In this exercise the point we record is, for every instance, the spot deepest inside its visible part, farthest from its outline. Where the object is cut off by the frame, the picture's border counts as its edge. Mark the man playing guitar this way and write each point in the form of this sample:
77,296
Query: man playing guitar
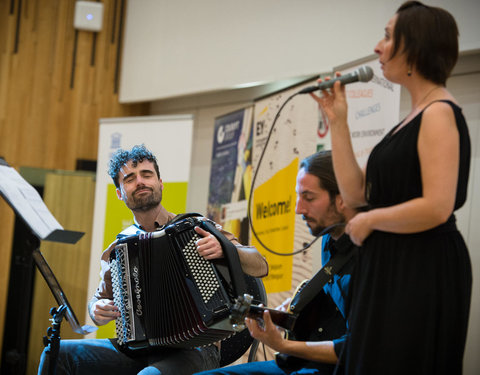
319,334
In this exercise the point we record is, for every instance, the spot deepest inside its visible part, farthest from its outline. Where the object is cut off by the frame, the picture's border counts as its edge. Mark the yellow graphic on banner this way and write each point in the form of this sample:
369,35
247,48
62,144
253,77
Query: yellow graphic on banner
118,217
273,218
235,226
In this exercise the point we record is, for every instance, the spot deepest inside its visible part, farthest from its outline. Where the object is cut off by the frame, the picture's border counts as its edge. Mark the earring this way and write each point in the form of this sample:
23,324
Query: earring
409,72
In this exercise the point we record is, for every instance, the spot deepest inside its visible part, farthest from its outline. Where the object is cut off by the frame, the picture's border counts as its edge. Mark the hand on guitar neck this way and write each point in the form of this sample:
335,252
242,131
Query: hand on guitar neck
244,308
306,338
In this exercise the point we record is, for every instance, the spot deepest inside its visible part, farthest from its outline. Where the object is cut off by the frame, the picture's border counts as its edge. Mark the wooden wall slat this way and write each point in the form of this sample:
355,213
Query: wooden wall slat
70,199
6,229
35,98
44,123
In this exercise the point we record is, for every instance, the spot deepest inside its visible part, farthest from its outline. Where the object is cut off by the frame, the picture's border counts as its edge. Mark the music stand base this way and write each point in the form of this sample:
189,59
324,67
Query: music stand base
52,339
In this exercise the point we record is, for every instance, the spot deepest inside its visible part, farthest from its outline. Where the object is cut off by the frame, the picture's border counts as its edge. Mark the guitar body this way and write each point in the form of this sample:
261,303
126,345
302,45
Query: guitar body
320,320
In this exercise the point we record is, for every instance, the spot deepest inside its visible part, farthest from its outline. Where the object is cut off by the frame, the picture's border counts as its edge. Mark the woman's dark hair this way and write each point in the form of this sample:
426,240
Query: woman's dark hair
320,165
429,37
137,154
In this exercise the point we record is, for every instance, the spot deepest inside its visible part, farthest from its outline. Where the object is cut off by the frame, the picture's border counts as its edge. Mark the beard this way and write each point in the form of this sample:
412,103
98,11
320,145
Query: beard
316,227
144,202
315,231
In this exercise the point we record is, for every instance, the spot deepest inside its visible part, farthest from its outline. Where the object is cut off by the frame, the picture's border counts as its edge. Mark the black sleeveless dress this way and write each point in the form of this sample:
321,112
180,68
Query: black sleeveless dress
411,292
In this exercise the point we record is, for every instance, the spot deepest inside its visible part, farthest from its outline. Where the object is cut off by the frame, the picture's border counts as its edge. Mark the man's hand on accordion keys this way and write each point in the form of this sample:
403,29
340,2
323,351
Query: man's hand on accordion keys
104,311
208,246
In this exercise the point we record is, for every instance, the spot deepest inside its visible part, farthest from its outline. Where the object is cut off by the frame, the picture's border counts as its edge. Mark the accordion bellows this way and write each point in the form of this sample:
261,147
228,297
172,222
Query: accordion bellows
168,295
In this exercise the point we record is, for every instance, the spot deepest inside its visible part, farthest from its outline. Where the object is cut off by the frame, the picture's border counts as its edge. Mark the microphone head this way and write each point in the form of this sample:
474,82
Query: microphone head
365,73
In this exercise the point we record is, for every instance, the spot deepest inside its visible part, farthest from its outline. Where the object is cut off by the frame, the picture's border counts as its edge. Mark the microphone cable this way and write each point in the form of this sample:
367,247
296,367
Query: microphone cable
249,213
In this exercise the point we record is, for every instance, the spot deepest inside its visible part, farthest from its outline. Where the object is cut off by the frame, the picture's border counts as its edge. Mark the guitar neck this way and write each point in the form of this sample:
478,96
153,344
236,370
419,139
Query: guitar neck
280,318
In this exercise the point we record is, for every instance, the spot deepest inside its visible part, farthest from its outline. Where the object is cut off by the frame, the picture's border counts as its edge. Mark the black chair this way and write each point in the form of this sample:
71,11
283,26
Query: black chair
235,346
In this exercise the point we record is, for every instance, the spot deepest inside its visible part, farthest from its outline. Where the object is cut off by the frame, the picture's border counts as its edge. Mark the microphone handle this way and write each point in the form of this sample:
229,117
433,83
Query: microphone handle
347,78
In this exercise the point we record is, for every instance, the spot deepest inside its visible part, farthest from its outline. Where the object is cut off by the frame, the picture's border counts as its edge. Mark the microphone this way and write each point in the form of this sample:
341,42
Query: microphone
362,74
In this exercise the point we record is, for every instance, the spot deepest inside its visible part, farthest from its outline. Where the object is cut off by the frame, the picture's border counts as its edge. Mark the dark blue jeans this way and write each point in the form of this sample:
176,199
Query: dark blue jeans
262,368
99,356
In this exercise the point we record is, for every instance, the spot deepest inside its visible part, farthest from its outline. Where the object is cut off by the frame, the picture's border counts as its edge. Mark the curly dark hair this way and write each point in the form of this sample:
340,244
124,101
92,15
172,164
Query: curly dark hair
137,154
429,36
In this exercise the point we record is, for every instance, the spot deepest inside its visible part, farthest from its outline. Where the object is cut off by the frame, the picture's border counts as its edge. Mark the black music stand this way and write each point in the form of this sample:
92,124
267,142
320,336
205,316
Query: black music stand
52,340
29,206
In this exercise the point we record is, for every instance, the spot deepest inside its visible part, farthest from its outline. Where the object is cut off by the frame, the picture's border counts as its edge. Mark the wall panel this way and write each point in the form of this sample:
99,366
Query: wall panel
55,84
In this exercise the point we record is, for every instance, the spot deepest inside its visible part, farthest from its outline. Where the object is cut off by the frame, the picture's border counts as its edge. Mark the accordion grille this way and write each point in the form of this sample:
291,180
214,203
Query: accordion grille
122,295
201,269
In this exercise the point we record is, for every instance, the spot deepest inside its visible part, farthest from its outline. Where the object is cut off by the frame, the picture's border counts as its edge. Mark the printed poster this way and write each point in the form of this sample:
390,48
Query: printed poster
374,109
276,156
231,172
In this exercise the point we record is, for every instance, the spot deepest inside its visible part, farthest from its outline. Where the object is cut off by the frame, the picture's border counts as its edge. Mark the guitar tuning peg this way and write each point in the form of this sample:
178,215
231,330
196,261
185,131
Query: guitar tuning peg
238,327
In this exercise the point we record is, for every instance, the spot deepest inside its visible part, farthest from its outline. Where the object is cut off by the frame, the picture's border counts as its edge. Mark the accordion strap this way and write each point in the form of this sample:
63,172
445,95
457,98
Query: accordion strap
184,216
230,253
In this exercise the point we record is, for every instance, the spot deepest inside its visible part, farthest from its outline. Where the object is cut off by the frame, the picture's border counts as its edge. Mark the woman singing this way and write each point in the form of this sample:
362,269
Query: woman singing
411,294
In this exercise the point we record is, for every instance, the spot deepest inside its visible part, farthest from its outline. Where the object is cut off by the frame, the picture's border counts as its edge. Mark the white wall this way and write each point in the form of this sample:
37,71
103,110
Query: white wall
181,47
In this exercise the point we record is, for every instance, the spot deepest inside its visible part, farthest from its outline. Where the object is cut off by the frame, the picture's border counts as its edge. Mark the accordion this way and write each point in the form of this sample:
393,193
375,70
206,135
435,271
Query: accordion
170,296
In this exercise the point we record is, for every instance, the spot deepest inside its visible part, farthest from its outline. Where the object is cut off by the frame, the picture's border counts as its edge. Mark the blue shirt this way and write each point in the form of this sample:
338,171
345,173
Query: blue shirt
338,287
